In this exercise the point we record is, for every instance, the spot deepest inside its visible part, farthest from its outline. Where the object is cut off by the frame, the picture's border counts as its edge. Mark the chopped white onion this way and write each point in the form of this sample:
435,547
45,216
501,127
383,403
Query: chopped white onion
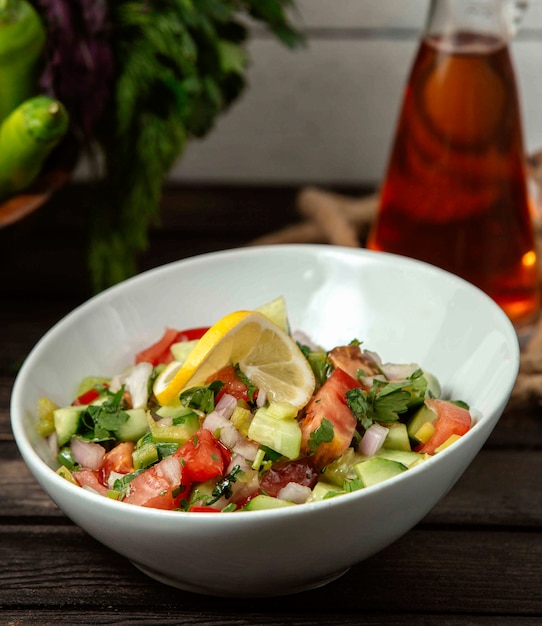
227,433
261,398
296,493
230,436
240,460
372,440
399,371
226,405
247,449
116,382
136,383
87,453
374,356
170,469
52,442
214,421
113,476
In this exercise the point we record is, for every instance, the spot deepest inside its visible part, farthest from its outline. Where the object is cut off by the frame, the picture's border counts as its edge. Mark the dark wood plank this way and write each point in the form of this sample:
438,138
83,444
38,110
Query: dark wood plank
59,568
160,617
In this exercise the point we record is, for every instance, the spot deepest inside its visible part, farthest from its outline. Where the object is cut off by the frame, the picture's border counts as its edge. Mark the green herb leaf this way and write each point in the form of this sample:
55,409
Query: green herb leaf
418,386
389,400
358,401
323,434
101,421
382,403
318,361
201,398
224,487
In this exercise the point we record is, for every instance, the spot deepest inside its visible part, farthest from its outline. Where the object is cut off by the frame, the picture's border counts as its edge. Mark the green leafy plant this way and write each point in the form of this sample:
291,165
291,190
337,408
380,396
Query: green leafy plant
141,78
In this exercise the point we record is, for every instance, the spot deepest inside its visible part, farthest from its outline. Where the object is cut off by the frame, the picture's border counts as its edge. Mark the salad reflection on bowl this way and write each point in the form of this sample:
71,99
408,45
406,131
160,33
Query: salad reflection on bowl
352,455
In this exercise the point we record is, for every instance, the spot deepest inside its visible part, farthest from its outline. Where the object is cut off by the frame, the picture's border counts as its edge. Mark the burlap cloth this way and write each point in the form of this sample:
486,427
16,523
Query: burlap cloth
339,220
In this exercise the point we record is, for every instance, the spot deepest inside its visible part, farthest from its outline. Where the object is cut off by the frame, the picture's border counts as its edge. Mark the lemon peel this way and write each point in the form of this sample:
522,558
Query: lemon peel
265,354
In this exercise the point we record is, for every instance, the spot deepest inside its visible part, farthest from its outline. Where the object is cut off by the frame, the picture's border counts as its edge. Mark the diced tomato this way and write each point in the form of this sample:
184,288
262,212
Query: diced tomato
119,459
330,403
451,420
300,471
90,478
86,398
351,358
160,351
162,486
232,385
191,334
203,456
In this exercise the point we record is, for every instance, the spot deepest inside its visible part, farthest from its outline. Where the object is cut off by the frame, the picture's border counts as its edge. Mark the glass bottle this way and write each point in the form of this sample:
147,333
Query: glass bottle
455,193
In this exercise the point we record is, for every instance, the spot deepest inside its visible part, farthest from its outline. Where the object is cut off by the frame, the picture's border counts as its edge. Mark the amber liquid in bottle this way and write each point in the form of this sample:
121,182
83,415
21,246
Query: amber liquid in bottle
455,193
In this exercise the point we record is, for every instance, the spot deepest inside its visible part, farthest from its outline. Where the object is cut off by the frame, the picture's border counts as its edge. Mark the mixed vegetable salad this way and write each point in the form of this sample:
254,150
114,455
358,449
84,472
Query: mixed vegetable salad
228,444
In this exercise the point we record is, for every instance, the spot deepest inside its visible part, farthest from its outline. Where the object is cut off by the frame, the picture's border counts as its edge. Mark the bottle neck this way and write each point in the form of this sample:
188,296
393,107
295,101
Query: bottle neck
490,19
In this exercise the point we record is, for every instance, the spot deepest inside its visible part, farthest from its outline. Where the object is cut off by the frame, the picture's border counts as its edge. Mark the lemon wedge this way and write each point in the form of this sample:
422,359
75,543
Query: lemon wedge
267,355
276,312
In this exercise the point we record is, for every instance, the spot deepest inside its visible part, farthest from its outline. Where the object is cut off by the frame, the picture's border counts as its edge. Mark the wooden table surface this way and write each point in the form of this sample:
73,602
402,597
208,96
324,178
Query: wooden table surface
475,559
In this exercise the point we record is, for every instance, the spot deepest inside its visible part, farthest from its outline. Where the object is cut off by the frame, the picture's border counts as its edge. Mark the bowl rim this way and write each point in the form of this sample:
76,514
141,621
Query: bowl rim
40,468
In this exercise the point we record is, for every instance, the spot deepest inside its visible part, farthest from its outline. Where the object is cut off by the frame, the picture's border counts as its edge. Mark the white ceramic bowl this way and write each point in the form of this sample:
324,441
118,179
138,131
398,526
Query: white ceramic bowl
403,309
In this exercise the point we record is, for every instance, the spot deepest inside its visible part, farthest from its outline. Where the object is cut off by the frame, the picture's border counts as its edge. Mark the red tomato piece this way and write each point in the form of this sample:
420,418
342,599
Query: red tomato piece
202,456
191,334
162,486
90,478
330,403
119,459
301,471
451,420
232,384
160,351
86,398
352,358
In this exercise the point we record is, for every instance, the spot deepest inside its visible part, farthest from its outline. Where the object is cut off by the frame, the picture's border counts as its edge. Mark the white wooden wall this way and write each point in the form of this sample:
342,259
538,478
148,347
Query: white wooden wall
326,114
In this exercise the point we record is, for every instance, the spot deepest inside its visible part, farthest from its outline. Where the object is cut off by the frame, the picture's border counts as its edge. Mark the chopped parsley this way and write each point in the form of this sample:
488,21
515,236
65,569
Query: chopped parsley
202,398
382,403
318,361
224,487
323,434
100,422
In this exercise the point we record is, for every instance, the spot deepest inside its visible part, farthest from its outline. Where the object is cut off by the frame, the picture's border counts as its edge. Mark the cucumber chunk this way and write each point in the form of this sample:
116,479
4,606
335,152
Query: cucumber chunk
134,427
324,490
145,455
423,416
397,437
66,421
378,469
174,433
406,457
281,434
266,502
